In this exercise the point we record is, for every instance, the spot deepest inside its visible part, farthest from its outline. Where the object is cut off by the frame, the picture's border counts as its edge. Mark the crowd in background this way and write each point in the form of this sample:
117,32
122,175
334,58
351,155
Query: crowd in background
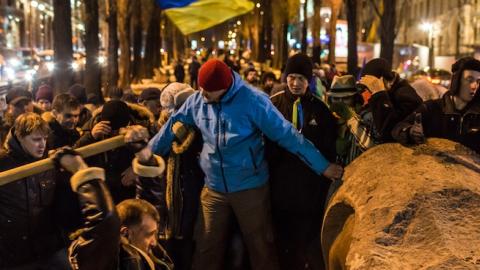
230,171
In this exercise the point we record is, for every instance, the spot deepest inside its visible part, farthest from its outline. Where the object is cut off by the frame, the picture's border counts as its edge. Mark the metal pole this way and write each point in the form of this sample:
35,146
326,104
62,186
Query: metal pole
36,167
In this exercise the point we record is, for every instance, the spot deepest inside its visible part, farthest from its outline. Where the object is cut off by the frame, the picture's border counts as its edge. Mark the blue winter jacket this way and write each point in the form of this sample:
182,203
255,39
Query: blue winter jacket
233,156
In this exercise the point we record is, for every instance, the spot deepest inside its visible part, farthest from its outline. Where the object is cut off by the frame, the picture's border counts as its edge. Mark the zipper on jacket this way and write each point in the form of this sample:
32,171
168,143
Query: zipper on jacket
224,134
218,147
253,160
460,128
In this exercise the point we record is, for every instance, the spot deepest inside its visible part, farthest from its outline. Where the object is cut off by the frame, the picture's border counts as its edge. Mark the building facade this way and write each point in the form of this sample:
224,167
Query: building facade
449,27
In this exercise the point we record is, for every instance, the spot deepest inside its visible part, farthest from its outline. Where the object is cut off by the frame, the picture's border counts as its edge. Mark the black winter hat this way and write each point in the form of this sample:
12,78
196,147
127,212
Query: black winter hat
78,91
379,67
465,63
300,64
150,93
117,112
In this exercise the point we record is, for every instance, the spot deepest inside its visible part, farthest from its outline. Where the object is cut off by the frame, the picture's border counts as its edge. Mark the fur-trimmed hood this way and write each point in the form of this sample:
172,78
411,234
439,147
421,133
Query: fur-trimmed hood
48,117
138,114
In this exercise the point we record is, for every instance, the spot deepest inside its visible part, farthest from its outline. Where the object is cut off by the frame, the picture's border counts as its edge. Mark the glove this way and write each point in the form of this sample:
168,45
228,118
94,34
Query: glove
68,159
137,146
372,83
416,130
342,110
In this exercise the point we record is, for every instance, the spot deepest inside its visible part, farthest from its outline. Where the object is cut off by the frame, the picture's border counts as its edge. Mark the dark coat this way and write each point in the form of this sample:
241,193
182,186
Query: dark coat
28,224
99,246
85,116
392,106
193,68
441,119
179,72
294,186
117,162
6,123
59,136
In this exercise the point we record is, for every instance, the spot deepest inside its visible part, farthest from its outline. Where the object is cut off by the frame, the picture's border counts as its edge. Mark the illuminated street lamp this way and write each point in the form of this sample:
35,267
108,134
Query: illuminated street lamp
429,28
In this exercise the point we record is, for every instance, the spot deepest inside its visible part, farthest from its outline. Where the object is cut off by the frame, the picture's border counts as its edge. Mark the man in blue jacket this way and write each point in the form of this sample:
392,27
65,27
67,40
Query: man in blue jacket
232,117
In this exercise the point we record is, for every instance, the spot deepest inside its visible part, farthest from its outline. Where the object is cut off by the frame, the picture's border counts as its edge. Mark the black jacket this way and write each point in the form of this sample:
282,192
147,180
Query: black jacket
59,136
392,106
28,223
117,162
440,119
294,186
100,246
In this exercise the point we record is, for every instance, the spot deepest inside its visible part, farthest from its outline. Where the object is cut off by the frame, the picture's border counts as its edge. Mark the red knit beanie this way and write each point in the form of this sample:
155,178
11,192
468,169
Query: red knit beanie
214,75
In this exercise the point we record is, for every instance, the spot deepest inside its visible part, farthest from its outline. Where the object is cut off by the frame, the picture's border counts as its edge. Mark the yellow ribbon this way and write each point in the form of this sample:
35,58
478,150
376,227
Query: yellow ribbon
295,113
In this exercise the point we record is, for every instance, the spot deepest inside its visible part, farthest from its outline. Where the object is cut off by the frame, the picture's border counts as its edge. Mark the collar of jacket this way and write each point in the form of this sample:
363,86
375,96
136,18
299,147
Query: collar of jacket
291,97
473,107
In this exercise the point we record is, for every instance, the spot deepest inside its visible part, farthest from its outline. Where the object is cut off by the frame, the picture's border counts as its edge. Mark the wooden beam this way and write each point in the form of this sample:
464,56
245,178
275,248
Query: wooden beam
36,167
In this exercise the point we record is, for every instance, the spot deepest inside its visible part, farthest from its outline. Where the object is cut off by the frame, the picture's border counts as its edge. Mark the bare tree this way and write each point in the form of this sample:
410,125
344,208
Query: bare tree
284,12
335,6
352,60
316,25
124,14
389,25
136,31
304,27
265,41
112,73
92,78
152,46
62,35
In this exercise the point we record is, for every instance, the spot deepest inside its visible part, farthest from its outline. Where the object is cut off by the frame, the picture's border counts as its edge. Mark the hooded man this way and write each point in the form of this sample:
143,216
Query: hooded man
455,116
392,99
298,192
231,117
106,123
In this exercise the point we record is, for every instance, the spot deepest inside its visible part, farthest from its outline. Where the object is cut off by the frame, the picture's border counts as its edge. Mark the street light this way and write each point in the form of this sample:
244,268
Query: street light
429,28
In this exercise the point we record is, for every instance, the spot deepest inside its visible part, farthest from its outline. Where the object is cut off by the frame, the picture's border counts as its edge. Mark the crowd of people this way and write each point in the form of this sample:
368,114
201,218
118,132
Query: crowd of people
231,171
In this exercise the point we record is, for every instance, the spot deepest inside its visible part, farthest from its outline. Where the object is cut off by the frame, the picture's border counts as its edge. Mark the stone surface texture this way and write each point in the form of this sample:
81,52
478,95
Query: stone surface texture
413,208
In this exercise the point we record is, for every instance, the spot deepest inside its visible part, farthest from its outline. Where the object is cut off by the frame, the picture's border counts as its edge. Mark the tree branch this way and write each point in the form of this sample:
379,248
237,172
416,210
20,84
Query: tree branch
375,8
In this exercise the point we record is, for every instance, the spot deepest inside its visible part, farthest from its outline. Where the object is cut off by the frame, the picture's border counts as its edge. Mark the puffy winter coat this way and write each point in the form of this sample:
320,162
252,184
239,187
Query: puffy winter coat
392,106
28,223
440,119
232,156
117,162
100,246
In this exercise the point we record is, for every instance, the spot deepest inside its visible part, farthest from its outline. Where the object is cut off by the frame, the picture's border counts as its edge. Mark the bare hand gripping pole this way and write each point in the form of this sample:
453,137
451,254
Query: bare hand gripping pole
47,164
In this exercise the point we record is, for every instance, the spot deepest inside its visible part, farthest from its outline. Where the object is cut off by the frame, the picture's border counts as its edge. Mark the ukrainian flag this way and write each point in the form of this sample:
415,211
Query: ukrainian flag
192,16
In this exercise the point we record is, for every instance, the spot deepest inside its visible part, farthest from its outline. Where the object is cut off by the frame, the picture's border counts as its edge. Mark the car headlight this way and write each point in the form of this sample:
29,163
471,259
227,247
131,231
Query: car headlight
101,60
50,66
74,66
14,62
10,73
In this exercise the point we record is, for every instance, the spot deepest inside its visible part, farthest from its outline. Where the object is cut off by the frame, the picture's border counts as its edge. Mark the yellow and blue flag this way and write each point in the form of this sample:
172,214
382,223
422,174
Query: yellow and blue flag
191,16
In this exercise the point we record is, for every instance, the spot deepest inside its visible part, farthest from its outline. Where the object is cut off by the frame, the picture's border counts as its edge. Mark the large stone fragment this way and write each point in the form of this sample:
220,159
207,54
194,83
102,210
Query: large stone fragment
406,208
